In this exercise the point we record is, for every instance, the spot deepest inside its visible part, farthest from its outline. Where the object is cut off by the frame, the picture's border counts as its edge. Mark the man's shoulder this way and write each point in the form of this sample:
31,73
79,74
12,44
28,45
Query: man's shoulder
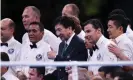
77,39
10,76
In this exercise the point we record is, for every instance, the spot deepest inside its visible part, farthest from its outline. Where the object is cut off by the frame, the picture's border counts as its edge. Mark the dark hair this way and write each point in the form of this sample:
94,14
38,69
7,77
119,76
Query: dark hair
117,11
4,56
124,76
40,70
66,22
96,24
41,27
112,70
119,20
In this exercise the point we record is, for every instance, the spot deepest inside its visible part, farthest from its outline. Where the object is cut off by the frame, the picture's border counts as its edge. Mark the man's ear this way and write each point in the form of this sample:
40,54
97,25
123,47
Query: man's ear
120,28
12,30
70,28
99,30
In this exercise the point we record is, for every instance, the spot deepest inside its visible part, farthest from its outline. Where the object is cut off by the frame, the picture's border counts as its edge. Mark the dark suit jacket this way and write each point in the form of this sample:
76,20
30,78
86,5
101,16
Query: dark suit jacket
75,51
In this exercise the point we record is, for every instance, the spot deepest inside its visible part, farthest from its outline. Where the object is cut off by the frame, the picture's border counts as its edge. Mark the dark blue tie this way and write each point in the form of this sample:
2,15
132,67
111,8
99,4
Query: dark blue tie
64,48
4,44
33,45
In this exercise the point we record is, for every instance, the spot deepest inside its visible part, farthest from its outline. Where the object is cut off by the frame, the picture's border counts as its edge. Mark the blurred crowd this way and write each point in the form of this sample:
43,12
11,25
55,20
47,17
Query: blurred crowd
72,42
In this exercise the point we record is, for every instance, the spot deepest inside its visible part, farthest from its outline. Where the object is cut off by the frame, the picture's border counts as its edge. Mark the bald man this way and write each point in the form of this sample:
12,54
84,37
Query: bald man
32,14
8,43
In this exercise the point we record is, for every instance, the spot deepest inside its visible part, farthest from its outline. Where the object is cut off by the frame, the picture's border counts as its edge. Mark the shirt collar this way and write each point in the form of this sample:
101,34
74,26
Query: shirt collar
38,43
100,41
129,30
69,40
9,41
5,74
119,38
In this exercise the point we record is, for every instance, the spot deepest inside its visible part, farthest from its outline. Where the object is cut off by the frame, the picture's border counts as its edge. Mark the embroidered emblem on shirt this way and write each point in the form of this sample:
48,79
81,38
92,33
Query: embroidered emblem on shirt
98,57
39,57
10,51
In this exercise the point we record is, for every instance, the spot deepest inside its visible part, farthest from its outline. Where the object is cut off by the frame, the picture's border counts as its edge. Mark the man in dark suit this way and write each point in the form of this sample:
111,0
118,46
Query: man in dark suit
72,48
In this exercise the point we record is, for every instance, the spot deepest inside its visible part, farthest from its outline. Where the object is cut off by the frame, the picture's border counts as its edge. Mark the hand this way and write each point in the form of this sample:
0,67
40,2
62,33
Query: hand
21,75
68,69
51,55
114,49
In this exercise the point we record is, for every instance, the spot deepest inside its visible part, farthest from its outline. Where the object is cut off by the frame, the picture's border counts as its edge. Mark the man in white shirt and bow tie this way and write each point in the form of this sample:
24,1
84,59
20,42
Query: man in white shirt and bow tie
8,43
94,32
37,49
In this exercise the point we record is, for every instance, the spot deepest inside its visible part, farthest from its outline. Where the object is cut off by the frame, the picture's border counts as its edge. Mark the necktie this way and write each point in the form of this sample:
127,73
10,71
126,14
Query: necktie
95,47
33,46
2,78
4,44
64,48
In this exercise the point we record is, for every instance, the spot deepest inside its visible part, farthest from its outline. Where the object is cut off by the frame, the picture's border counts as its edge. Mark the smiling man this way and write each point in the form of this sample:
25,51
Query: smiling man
37,49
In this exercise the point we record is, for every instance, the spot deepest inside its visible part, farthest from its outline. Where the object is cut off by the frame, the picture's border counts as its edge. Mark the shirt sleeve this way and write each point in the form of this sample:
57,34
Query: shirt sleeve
53,41
49,69
127,50
109,56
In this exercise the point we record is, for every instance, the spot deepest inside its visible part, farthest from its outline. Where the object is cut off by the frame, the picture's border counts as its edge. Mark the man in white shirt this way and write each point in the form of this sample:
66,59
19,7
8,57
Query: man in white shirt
73,10
37,49
31,14
129,31
8,43
94,31
116,29
5,73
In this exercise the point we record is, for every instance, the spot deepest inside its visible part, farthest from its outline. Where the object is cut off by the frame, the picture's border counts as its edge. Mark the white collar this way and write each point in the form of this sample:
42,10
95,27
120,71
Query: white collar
100,41
9,41
69,40
129,30
120,38
38,43
6,74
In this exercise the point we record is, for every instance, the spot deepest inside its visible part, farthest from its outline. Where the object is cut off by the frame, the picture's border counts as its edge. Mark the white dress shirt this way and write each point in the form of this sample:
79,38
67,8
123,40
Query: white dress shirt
126,45
129,33
48,37
9,76
81,35
69,40
12,50
102,54
35,54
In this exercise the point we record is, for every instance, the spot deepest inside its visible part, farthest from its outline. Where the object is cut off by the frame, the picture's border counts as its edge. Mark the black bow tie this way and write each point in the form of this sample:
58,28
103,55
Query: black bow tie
4,44
33,46
95,47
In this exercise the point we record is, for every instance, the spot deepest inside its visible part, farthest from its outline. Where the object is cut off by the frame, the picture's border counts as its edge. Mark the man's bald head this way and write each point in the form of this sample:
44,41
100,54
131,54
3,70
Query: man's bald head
30,14
35,10
70,9
7,29
8,22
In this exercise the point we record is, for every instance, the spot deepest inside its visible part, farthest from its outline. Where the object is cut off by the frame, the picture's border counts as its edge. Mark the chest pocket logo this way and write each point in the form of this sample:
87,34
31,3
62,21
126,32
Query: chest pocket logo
99,57
39,57
10,51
